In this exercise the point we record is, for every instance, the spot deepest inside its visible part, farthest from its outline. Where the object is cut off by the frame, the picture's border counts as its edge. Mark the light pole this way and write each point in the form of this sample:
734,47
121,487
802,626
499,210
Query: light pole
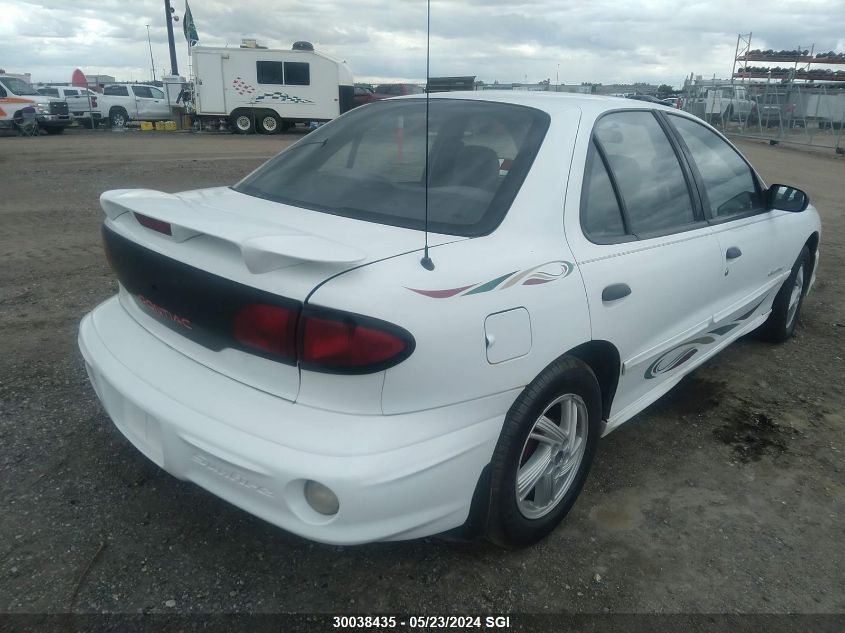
168,15
152,63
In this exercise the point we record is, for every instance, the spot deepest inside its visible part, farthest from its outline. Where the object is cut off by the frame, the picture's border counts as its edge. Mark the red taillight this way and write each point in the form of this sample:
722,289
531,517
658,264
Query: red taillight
328,340
345,344
271,329
156,225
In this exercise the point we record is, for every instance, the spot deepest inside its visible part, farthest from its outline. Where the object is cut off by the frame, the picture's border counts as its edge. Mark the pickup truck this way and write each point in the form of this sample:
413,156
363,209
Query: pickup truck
720,103
17,93
82,102
121,103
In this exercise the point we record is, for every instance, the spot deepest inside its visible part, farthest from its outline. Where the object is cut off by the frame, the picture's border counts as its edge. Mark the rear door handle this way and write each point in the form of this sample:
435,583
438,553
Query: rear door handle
614,292
733,252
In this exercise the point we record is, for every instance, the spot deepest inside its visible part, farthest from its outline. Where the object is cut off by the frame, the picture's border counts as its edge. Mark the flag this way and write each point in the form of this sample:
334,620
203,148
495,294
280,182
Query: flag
188,26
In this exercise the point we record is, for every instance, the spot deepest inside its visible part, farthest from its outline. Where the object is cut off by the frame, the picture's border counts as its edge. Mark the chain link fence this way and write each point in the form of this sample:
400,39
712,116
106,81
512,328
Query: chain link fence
788,112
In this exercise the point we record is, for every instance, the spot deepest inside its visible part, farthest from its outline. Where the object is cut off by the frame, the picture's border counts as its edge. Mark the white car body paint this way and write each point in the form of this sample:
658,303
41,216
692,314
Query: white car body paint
404,447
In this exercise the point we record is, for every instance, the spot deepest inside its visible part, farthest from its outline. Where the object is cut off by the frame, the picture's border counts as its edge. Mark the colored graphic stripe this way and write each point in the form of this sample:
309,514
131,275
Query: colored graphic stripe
490,284
530,277
441,294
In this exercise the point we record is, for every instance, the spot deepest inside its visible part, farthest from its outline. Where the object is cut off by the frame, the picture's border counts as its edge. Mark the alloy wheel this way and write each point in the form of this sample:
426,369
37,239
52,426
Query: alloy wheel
795,297
551,456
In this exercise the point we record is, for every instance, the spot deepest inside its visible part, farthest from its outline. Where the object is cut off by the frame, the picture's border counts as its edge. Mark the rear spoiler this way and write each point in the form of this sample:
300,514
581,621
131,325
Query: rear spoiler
265,246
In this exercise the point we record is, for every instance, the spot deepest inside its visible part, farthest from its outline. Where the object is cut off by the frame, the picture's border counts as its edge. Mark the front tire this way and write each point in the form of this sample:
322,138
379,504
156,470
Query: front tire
544,453
243,122
786,308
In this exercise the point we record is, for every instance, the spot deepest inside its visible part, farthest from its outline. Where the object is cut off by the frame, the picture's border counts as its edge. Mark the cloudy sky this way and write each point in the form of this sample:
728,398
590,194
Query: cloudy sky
604,41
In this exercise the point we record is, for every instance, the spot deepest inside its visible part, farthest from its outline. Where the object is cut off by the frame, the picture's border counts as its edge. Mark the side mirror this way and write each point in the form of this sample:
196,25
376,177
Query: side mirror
785,198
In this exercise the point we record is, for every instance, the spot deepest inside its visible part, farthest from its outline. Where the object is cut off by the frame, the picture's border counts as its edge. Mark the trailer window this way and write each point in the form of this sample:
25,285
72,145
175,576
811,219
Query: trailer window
370,164
297,74
270,73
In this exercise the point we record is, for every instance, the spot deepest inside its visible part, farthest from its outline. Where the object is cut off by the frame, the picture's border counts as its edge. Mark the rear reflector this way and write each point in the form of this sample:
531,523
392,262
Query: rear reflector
155,225
271,329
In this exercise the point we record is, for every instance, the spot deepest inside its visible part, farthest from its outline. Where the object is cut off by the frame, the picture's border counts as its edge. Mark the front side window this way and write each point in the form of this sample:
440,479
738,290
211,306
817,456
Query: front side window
297,74
156,93
370,164
142,92
647,173
729,185
270,73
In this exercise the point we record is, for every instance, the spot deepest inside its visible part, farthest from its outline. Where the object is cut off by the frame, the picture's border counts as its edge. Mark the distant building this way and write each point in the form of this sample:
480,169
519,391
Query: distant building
624,89
539,87
98,81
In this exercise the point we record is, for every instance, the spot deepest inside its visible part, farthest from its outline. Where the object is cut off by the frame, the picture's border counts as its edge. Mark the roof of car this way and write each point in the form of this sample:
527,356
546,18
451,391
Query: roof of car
548,101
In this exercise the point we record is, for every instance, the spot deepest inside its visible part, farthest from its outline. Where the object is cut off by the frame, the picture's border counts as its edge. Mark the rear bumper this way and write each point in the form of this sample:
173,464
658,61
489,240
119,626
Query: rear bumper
394,477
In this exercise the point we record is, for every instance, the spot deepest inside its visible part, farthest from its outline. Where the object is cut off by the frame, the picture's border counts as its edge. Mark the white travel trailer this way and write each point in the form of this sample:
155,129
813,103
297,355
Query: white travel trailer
269,90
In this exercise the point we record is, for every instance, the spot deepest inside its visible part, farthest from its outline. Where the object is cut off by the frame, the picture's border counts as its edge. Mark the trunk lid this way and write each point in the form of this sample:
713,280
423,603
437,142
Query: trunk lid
188,264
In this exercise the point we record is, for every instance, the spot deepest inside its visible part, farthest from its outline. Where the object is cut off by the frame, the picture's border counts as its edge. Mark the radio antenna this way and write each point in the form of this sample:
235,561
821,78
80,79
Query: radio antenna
426,260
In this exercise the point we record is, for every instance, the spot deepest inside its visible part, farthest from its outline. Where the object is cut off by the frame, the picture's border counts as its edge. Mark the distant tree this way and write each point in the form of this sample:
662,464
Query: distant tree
664,90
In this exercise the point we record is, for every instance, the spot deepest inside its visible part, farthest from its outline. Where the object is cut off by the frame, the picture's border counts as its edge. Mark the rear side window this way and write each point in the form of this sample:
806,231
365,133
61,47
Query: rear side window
50,92
652,187
297,74
602,216
71,93
370,164
116,91
729,184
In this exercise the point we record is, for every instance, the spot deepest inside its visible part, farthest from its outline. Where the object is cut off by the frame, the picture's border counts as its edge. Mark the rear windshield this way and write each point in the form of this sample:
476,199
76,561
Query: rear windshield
370,164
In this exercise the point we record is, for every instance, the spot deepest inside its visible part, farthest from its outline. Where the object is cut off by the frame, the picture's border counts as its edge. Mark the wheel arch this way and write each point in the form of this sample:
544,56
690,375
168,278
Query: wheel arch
603,358
812,245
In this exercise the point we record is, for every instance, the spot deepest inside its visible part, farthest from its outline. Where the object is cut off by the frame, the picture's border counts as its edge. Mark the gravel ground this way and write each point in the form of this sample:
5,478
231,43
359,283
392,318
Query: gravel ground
726,496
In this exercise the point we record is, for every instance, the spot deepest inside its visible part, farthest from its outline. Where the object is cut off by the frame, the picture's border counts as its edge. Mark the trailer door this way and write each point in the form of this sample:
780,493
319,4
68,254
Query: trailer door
211,98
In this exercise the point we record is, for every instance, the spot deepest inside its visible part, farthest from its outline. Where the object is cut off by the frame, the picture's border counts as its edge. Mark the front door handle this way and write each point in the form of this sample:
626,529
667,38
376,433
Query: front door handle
733,252
614,292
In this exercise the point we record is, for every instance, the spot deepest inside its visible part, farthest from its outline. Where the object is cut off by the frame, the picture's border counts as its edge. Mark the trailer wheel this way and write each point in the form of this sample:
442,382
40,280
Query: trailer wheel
242,121
269,123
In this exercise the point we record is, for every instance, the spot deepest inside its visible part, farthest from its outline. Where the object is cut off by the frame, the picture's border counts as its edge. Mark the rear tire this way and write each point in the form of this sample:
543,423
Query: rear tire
118,117
269,123
786,308
522,510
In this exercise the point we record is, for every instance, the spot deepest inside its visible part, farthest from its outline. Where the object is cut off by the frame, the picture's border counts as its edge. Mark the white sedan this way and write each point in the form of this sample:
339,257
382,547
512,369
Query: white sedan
286,344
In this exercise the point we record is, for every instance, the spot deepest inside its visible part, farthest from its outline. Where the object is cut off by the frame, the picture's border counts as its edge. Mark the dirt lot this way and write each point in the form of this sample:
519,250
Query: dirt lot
728,495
